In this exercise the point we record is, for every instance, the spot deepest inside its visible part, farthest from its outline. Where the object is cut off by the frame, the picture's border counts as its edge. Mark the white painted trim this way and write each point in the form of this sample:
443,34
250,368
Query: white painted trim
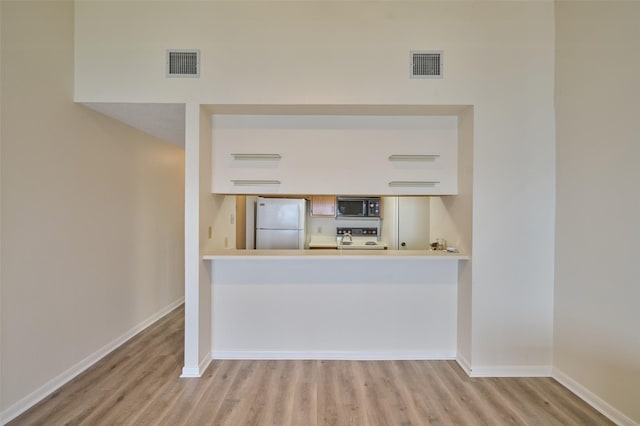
39,394
463,363
511,371
348,356
592,399
191,372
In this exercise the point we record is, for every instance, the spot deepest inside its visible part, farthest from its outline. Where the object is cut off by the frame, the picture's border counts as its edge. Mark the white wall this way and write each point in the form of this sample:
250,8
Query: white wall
596,337
92,217
498,57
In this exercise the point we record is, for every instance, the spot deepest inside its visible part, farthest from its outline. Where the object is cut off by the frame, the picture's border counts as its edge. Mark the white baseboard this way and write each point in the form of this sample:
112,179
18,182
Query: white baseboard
194,372
510,371
463,363
347,356
592,399
190,372
36,396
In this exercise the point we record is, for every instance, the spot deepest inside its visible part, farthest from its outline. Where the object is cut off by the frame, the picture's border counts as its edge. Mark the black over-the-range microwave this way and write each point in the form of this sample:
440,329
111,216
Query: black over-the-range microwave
358,206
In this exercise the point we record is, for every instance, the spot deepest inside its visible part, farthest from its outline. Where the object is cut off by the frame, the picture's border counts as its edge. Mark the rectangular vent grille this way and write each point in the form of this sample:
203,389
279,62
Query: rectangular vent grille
183,63
426,64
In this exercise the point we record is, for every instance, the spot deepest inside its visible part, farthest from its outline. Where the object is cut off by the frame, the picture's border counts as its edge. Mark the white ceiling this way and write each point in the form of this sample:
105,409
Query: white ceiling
164,121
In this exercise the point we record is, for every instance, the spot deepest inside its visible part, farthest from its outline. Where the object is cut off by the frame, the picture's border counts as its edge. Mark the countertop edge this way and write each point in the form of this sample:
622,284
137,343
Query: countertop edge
231,254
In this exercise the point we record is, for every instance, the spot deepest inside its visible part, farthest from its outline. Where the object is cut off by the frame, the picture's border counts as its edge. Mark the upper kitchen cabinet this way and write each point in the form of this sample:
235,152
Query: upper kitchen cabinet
323,206
315,151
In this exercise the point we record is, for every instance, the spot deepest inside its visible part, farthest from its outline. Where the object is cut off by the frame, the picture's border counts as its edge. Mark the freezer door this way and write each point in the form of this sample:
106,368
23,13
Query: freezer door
279,239
280,213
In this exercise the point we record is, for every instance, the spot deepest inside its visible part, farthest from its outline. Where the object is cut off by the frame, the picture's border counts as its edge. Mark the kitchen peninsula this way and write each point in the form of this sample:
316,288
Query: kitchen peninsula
334,304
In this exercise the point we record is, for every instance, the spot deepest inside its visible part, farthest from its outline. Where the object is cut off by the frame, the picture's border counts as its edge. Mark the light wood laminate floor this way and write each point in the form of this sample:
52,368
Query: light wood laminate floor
139,384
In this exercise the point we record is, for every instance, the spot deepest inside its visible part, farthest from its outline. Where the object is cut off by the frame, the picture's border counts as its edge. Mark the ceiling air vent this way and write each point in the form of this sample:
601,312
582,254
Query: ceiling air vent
426,64
183,63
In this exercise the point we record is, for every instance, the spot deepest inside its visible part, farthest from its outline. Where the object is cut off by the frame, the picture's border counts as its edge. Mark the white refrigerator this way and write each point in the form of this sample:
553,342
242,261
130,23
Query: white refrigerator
280,223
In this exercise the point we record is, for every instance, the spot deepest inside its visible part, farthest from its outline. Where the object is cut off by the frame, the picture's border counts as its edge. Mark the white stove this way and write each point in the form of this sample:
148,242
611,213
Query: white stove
358,239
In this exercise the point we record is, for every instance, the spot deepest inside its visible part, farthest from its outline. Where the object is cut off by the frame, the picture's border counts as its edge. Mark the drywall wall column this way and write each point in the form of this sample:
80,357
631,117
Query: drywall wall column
452,218
208,206
192,269
200,210
596,315
461,209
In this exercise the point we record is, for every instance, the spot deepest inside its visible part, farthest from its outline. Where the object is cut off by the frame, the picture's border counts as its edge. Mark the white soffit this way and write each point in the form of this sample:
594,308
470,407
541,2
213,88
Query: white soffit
164,121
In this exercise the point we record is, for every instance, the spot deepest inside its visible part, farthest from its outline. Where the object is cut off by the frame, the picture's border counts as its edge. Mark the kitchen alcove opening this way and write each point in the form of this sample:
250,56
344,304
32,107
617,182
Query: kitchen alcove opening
454,212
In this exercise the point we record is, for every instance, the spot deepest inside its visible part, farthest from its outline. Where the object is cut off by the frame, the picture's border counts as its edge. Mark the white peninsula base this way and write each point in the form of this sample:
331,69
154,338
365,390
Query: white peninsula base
334,307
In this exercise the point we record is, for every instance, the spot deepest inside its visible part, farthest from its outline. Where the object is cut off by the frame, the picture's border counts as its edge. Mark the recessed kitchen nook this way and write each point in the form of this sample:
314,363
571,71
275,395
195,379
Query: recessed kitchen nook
322,244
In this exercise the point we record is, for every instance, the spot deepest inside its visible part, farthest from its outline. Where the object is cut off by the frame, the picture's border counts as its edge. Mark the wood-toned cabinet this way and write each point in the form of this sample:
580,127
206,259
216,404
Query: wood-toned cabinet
323,206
